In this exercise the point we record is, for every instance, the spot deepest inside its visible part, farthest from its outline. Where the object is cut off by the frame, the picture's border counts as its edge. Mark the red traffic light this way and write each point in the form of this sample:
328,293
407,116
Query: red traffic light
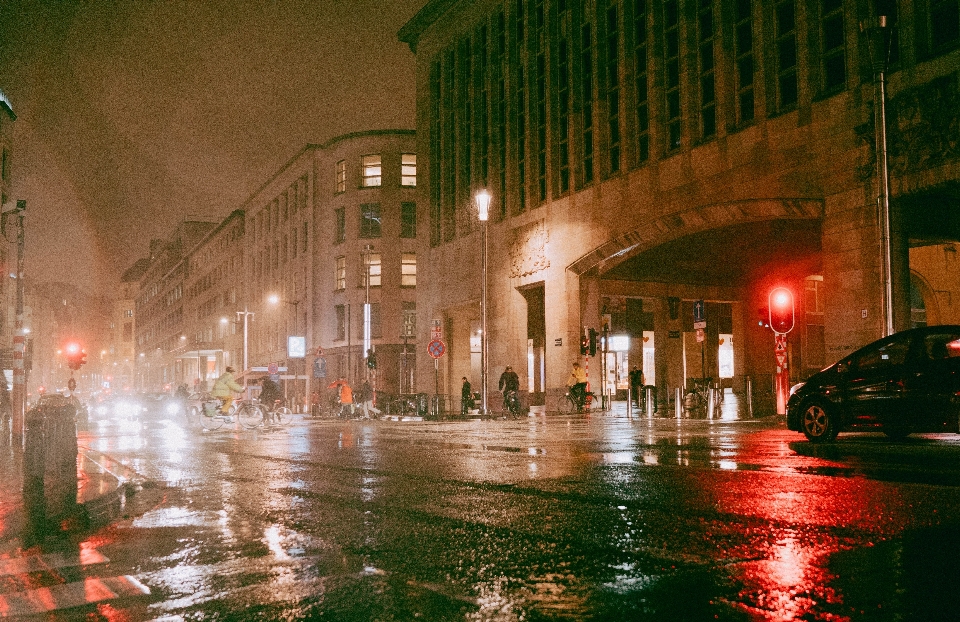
781,310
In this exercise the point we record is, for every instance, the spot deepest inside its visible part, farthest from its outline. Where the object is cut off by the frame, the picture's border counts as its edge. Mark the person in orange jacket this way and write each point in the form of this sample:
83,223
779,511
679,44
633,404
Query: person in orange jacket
344,393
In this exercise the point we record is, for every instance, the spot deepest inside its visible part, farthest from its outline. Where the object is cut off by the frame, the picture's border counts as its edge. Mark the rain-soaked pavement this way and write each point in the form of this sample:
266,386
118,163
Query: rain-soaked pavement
549,517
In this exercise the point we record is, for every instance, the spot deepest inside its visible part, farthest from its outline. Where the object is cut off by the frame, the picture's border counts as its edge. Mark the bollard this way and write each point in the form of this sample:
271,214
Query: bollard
711,402
648,401
749,397
629,402
678,403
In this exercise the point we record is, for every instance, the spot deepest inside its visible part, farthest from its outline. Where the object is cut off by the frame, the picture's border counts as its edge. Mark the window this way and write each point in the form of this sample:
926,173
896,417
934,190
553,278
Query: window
341,322
408,270
340,233
640,79
743,47
613,88
944,24
705,40
304,237
372,171
408,220
834,59
786,37
341,176
586,97
370,220
408,169
341,272
373,267
889,354
671,65
409,320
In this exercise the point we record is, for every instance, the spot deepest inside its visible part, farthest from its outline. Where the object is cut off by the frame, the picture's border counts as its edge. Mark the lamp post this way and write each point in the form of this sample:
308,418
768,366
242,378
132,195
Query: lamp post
483,213
366,307
246,316
878,41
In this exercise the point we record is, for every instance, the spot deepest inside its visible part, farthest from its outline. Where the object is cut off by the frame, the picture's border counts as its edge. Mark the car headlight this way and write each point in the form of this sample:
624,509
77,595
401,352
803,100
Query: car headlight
796,388
173,408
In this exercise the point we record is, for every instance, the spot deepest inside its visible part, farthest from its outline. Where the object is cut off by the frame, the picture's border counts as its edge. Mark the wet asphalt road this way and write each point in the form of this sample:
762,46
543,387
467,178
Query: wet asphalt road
542,518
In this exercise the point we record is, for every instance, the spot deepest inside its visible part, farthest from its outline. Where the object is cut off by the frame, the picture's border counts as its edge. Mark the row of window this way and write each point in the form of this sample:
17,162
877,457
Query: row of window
376,331
371,264
558,93
371,172
371,221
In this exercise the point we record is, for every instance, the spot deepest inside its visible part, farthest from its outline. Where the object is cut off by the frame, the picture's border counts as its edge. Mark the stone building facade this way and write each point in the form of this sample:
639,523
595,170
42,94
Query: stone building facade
646,155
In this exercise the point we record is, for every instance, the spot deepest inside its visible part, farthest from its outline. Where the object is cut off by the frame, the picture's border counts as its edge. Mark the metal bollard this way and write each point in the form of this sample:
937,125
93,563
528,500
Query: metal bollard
711,402
629,403
678,403
648,401
749,397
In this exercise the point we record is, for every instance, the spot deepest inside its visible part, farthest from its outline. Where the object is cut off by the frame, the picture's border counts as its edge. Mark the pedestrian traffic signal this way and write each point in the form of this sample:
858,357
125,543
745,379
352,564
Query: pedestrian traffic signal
592,334
763,317
371,359
584,345
781,310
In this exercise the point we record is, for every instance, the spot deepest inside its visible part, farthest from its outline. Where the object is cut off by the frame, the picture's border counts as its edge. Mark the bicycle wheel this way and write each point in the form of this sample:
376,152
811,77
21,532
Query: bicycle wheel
250,415
565,404
282,415
209,421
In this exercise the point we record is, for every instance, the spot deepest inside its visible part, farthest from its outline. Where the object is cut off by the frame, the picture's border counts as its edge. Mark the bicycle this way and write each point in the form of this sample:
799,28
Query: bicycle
209,414
568,403
253,414
511,403
699,394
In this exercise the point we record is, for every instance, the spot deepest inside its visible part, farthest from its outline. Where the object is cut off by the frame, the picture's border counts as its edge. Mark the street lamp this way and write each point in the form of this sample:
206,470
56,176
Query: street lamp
878,41
366,307
274,299
482,199
246,317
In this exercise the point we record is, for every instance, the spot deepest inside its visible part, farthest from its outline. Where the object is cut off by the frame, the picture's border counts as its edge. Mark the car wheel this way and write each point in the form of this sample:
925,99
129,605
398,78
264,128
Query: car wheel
817,423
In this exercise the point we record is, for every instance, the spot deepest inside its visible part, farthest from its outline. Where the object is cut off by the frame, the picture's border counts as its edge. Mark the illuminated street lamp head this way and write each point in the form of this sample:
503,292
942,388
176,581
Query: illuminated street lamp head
72,348
483,205
273,299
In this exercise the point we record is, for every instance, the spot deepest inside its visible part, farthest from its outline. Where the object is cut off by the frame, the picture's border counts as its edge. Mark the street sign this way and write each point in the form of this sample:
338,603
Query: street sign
436,348
436,331
701,336
699,319
320,367
273,368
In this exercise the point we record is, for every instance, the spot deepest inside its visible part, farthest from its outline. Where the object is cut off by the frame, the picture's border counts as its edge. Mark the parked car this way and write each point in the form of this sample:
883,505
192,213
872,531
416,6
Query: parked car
907,382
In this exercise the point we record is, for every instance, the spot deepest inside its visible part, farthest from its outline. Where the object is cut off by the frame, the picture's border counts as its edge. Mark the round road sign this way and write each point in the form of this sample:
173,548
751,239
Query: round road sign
436,348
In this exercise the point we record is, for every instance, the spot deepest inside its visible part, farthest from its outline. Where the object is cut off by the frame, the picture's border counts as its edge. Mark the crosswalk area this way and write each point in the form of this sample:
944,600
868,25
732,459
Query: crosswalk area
40,585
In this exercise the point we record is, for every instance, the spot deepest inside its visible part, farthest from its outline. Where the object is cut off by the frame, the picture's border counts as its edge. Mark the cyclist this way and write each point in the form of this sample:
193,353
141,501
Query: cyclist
223,389
269,392
509,384
578,385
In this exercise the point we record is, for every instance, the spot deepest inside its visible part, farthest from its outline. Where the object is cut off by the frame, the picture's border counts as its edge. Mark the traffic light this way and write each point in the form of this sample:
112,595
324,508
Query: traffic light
781,310
74,354
584,345
82,359
592,342
371,359
763,317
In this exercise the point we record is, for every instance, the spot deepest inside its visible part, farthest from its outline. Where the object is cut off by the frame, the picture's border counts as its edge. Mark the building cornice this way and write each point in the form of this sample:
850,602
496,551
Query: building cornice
411,32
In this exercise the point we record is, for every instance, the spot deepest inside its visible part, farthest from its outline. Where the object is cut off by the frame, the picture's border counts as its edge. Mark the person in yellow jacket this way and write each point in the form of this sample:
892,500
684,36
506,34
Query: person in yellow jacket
224,388
578,385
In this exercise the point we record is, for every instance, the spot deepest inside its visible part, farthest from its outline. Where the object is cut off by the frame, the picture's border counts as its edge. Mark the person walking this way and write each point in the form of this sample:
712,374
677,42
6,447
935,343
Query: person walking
366,399
466,396
344,395
637,381
223,389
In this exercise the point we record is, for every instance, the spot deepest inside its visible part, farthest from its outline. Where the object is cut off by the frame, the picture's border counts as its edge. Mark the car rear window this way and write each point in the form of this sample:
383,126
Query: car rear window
942,346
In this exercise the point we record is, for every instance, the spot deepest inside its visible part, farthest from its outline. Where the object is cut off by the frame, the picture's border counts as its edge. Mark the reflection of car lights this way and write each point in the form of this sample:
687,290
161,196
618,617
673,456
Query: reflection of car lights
173,409
796,387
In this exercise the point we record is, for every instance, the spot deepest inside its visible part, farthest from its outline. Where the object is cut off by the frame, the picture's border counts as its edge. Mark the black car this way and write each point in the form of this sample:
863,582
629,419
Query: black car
907,382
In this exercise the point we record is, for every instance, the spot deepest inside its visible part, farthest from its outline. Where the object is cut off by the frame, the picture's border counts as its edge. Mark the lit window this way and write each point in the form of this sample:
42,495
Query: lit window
341,272
374,268
372,171
408,270
408,169
341,176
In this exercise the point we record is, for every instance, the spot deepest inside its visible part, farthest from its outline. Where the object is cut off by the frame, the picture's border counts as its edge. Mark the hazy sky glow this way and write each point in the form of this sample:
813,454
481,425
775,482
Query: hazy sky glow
135,115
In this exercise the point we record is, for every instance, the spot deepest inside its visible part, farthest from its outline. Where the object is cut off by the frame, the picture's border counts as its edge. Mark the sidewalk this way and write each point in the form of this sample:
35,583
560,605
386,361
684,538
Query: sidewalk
102,487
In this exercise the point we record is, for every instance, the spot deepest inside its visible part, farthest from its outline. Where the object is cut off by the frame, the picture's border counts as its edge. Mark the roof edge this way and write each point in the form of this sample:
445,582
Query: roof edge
411,32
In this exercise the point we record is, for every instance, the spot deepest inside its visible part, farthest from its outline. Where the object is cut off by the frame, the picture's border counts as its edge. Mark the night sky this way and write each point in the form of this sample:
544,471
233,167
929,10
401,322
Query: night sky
135,115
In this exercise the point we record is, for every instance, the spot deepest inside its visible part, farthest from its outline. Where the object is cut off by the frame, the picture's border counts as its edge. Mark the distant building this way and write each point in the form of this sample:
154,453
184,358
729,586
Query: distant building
645,155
